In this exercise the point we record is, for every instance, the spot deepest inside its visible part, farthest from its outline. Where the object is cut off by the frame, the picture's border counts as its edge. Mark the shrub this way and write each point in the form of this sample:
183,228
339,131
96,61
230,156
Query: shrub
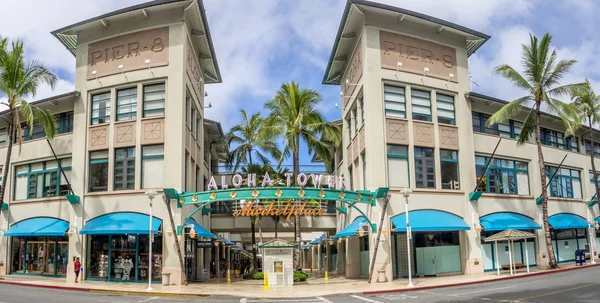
249,275
300,276
258,276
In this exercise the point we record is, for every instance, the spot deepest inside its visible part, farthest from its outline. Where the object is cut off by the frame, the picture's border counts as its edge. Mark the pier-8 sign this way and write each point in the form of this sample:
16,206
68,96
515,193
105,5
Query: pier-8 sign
131,51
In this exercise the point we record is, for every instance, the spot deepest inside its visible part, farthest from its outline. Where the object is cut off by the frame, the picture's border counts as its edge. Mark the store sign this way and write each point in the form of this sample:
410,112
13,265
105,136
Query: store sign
204,244
131,51
416,55
301,180
251,209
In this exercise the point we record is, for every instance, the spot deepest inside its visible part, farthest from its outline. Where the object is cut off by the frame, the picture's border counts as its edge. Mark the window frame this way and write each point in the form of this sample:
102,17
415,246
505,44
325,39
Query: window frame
388,111
428,117
145,102
361,103
4,131
106,108
420,157
449,160
97,161
515,170
64,122
161,156
44,171
438,101
125,174
559,178
132,113
397,156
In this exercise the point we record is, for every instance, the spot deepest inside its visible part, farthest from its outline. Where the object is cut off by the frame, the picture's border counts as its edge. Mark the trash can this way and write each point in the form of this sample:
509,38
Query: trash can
166,279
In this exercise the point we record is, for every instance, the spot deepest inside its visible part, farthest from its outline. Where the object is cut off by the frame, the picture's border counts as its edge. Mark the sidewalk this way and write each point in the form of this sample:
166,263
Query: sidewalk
314,287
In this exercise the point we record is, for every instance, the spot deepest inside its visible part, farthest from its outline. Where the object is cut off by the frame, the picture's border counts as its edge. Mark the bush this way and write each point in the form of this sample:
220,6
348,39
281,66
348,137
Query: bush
249,275
258,276
300,276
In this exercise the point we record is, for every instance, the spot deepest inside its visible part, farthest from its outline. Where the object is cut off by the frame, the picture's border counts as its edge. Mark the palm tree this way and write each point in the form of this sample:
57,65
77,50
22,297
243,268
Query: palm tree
294,117
542,72
20,79
250,138
588,104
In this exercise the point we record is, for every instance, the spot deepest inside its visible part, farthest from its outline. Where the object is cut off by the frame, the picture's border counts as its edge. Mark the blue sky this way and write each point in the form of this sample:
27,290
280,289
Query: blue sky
262,44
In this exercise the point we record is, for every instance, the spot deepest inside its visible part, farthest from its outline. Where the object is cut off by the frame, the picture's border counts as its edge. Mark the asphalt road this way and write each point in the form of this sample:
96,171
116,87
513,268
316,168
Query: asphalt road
580,286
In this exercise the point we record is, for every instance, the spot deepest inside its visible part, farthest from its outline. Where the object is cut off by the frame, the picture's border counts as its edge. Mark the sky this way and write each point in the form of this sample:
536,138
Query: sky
261,44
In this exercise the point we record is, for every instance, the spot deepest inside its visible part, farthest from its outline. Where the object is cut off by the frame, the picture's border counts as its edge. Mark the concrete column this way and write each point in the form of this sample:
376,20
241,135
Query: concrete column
341,268
217,260
319,258
353,261
329,262
228,257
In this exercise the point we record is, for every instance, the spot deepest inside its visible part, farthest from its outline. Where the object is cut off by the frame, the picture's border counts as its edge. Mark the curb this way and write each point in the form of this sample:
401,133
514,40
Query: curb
82,289
541,273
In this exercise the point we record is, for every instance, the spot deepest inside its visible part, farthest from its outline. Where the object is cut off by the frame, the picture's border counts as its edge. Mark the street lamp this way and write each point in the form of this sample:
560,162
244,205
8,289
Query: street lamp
151,194
406,193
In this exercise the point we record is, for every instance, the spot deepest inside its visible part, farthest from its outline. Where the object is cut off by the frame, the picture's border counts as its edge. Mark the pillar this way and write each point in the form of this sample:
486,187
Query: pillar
217,259
353,258
329,265
228,257
319,258
341,268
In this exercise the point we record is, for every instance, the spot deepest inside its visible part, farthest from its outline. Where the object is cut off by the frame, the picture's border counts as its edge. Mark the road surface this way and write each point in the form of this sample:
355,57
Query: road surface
579,286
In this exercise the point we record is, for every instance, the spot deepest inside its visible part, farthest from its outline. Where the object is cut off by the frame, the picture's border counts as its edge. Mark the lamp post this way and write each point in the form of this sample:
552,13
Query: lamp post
406,193
151,194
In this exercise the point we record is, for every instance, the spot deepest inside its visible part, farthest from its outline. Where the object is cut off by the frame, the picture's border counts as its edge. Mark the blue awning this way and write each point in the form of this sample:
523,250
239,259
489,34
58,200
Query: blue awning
41,226
120,224
566,221
318,240
351,229
226,241
506,220
429,220
200,230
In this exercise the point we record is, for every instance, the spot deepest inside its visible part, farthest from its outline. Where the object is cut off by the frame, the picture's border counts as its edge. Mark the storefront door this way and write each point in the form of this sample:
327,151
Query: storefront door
61,258
35,257
426,257
437,252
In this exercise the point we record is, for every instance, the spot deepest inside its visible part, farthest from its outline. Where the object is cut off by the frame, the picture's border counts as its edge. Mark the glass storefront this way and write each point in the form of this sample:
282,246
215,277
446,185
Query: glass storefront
567,241
39,255
437,252
124,258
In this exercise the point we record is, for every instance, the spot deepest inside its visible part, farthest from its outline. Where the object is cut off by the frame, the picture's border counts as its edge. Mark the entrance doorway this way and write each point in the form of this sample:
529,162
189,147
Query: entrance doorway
39,255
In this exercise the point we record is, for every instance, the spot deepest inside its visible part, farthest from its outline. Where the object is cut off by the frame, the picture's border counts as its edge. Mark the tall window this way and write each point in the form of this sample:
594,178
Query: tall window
508,129
349,129
125,168
42,179
154,100
101,108
424,167
98,178
421,105
362,111
364,170
186,171
588,148
565,184
3,136
354,115
198,126
126,104
445,109
351,178
188,105
64,122
198,178
449,168
502,176
153,170
397,158
395,101
193,120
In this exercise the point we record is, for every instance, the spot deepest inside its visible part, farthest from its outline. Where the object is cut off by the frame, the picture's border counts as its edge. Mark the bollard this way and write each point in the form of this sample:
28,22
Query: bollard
228,275
311,268
266,281
326,276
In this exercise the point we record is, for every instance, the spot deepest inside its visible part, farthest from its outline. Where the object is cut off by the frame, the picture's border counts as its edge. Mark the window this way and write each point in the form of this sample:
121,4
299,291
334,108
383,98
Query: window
198,126
125,168
354,115
153,158
445,109
193,120
565,184
449,168
351,178
424,167
588,148
64,122
29,134
364,170
502,176
38,180
592,187
395,101
101,108
397,158
154,100
188,105
198,178
98,179
3,136
421,105
362,111
349,130
186,171
557,139
126,104
508,129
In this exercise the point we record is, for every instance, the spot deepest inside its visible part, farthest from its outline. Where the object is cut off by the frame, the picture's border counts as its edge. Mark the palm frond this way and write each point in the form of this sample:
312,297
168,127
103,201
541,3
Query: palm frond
509,110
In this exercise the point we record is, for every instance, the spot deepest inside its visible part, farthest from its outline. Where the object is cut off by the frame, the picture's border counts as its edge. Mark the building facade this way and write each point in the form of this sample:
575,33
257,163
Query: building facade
410,120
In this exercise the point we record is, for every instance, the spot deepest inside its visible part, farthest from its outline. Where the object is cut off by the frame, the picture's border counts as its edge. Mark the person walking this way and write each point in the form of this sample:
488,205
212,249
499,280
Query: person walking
77,268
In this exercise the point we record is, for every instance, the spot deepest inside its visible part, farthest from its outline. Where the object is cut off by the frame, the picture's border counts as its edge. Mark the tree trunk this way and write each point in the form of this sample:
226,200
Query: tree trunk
386,200
253,230
297,232
595,177
6,167
551,256
174,228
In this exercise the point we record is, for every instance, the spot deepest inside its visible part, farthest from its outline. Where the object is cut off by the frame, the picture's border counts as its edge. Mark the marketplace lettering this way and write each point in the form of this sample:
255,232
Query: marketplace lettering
290,209
301,180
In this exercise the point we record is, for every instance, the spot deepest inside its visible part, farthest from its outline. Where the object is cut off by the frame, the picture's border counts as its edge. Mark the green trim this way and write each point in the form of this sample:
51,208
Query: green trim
206,210
592,203
4,206
475,195
73,199
171,193
99,161
539,201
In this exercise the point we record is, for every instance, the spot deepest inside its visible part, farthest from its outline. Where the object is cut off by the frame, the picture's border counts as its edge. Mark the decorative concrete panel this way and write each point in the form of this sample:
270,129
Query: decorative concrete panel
396,131
349,155
448,137
361,140
153,131
423,134
98,137
124,134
